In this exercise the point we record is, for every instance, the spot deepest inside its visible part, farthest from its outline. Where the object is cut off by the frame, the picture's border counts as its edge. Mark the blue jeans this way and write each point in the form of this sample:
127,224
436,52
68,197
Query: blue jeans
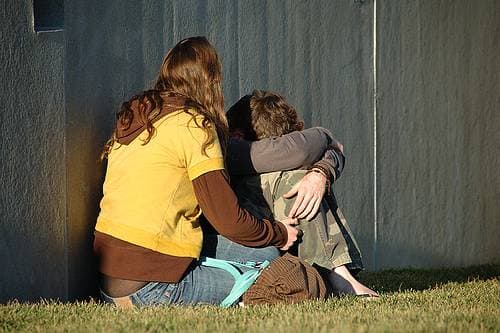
201,284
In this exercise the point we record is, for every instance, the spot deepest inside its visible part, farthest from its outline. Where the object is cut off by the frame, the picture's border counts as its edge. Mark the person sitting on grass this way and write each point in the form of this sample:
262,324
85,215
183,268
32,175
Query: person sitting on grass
327,241
165,165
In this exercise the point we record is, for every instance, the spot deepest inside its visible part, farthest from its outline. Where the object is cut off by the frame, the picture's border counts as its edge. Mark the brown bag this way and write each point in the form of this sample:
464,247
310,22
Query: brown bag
287,279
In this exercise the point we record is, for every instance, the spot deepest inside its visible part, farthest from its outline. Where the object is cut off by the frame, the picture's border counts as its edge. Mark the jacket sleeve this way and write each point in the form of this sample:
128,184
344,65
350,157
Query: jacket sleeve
332,164
287,152
303,149
220,206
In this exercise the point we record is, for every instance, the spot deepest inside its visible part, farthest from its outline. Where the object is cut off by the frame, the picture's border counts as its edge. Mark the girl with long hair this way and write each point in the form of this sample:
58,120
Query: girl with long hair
165,165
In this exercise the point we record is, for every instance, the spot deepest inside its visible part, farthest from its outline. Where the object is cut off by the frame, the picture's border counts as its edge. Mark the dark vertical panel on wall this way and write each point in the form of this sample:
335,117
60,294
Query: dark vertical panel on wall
438,133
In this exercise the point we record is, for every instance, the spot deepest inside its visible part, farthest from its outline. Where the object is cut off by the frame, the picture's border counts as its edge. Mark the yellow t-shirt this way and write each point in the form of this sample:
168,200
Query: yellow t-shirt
148,196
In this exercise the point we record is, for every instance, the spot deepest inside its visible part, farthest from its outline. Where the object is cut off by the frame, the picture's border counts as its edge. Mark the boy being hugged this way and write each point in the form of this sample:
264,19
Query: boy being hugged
327,241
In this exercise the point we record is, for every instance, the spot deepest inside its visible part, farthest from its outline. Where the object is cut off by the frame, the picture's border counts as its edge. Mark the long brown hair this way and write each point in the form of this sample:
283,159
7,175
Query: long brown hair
192,70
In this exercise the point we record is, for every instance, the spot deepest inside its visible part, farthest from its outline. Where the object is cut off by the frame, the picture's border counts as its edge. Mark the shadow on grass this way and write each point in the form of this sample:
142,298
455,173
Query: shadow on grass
420,279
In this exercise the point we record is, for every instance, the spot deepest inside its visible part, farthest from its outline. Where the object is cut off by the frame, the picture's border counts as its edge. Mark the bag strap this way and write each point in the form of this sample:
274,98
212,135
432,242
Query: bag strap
242,281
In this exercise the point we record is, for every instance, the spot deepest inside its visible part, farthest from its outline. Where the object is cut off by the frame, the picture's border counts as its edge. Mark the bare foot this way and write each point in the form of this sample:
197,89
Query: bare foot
343,283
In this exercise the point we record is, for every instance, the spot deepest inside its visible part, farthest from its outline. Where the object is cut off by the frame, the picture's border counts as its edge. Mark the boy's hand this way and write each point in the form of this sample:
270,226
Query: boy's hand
309,191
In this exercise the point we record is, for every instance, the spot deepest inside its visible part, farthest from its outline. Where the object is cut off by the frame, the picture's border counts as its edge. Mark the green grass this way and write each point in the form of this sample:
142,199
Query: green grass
458,300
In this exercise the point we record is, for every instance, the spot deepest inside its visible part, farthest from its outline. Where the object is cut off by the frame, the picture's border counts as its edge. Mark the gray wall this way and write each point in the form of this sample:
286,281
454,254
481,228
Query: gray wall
114,51
33,180
436,131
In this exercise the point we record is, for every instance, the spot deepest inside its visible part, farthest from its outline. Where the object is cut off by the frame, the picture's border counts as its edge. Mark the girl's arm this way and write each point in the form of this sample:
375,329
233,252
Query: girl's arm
291,151
220,206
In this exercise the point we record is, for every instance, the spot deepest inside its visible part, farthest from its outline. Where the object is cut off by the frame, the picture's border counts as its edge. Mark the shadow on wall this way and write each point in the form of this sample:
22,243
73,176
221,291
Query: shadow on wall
94,93
85,178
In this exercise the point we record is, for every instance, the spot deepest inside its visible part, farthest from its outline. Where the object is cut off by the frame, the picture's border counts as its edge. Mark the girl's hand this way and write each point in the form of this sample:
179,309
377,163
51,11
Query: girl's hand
291,230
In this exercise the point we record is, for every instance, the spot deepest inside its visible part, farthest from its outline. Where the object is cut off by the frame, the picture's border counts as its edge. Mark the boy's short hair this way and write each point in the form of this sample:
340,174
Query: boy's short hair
263,114
239,118
271,115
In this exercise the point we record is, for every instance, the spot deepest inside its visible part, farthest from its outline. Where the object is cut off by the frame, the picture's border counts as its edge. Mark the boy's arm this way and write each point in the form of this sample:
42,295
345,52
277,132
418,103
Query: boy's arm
222,210
332,163
290,151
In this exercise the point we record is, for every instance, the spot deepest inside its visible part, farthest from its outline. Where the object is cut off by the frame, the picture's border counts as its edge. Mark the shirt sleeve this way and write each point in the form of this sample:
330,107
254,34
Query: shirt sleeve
220,206
287,152
191,137
332,163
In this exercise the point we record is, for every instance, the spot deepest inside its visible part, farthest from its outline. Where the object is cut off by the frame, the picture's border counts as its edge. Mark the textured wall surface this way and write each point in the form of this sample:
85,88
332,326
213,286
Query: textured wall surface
438,133
32,173
114,51
437,130
319,55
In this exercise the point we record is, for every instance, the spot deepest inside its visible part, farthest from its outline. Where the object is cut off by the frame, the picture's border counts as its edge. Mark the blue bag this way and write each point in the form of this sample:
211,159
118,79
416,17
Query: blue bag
242,281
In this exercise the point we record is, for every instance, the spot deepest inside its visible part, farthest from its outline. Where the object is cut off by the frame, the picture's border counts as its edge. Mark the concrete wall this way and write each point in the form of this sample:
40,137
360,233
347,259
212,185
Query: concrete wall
114,51
438,133
437,118
319,55
32,168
